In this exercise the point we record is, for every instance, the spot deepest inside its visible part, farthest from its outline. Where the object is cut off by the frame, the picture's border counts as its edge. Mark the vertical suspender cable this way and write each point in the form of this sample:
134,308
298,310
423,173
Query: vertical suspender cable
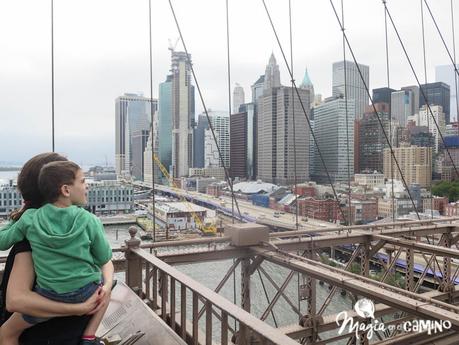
228,65
153,204
390,116
295,181
229,114
52,75
425,100
347,120
454,62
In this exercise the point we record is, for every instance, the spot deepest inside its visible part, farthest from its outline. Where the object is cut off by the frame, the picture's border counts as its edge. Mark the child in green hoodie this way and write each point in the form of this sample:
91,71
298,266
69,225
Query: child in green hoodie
69,248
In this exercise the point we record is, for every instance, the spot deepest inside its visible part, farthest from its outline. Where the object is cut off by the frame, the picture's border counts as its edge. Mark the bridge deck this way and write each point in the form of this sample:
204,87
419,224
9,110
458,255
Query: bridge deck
127,315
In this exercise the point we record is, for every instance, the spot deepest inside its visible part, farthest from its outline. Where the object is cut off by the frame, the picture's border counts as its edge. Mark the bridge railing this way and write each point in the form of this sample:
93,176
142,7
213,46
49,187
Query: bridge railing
171,292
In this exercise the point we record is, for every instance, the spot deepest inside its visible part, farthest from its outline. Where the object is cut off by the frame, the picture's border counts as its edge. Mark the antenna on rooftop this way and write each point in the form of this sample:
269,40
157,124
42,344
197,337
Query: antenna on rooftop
172,46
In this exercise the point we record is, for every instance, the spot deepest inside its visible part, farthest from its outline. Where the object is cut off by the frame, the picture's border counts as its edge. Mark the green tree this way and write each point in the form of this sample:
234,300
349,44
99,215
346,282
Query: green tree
448,189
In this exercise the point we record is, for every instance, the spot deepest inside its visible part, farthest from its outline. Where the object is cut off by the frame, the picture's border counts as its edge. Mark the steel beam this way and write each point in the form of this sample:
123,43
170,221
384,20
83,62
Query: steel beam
384,293
446,272
409,275
329,321
422,247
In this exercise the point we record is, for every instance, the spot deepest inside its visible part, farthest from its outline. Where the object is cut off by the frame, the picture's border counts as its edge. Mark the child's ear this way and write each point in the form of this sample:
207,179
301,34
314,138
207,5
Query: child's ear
65,191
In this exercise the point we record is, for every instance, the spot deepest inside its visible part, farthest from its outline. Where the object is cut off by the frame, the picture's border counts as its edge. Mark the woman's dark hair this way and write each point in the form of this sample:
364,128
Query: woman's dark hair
53,176
28,181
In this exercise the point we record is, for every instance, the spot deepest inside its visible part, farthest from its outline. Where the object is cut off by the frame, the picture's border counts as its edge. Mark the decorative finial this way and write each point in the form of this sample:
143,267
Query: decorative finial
132,231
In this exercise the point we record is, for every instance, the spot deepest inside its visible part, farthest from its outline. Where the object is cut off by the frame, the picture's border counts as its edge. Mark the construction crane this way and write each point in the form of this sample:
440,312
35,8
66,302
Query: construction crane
173,45
208,230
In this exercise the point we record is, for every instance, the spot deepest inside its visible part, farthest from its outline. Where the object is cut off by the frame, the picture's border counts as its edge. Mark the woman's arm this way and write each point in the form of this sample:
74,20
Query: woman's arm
20,297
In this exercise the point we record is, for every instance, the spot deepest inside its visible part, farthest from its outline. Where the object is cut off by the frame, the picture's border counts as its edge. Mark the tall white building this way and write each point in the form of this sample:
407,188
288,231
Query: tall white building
275,149
221,125
447,74
182,114
425,119
132,118
355,89
330,132
148,158
238,98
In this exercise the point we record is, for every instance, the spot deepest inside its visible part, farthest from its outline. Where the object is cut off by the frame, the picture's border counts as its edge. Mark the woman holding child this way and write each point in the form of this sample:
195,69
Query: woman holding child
49,217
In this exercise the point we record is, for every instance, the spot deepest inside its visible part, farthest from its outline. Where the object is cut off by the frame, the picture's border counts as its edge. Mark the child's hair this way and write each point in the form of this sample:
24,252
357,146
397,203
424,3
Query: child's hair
28,182
53,176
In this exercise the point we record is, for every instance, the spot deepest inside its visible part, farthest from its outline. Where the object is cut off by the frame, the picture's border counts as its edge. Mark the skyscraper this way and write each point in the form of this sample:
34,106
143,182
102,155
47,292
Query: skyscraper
132,116
257,88
198,141
275,136
330,132
220,124
415,164
182,114
138,145
403,104
165,123
274,123
272,74
242,142
148,157
382,95
355,89
306,84
425,119
437,94
447,75
238,98
371,138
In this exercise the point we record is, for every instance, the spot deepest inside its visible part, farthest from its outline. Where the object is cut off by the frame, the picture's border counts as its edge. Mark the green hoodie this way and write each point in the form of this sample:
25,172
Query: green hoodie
68,245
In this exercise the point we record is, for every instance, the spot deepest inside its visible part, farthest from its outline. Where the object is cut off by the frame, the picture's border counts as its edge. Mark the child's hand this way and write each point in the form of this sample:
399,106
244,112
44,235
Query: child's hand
91,305
103,298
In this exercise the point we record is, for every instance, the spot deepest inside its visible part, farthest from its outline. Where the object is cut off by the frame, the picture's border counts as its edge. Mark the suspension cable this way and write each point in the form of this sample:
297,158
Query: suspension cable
153,203
375,111
304,110
454,63
52,75
295,181
390,115
347,120
229,84
425,82
227,177
421,89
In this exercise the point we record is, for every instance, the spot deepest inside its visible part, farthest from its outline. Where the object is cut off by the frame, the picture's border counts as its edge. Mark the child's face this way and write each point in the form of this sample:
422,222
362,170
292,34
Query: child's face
78,190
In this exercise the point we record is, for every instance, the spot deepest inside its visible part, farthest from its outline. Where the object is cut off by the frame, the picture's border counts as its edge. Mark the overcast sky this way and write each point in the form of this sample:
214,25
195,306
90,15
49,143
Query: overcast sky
101,52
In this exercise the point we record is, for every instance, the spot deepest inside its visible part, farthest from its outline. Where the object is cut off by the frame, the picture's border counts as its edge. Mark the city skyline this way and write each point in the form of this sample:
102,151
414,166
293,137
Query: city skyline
92,68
